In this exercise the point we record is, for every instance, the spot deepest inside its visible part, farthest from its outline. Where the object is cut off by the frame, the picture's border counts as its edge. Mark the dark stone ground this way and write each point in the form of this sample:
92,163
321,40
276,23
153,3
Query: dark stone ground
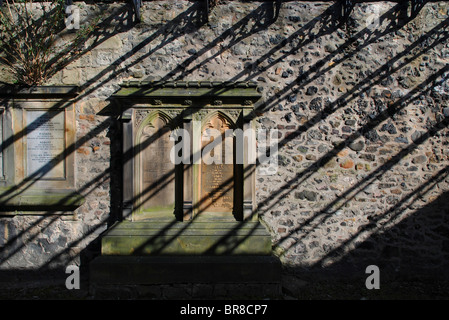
293,288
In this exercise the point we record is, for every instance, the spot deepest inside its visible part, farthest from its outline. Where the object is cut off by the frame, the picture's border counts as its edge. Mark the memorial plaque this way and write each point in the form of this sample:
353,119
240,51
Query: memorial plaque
158,171
45,144
217,177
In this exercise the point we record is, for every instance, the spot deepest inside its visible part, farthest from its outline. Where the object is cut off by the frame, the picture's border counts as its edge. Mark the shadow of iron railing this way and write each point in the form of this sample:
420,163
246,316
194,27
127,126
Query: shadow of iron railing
353,93
331,61
256,21
56,64
378,120
100,38
385,221
325,213
284,91
410,97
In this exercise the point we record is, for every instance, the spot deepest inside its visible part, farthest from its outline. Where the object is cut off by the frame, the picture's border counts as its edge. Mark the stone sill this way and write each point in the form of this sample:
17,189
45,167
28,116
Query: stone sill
177,238
37,200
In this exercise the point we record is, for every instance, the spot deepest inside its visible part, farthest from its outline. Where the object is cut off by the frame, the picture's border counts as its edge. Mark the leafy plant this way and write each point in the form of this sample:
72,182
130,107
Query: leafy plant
28,38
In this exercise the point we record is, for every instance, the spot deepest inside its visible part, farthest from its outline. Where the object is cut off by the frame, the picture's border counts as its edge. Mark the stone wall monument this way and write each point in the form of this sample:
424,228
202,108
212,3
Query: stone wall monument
188,189
37,162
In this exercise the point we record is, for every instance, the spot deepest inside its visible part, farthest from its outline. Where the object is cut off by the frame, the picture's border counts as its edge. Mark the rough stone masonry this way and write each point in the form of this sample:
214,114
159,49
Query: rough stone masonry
360,100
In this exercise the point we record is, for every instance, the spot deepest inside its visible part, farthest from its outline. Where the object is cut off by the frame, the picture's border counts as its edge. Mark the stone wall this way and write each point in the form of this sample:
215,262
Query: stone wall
360,102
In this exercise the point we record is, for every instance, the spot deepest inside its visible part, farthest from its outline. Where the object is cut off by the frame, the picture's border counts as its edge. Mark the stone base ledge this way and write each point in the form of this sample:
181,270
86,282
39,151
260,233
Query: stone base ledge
186,238
250,273
12,200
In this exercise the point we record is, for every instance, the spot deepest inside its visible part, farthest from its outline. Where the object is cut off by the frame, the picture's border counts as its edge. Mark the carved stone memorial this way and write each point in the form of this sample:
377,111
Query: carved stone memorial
217,177
188,188
153,165
37,128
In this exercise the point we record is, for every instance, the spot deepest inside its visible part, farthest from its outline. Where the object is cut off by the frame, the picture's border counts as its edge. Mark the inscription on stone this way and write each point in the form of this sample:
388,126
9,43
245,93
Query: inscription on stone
158,172
45,144
217,179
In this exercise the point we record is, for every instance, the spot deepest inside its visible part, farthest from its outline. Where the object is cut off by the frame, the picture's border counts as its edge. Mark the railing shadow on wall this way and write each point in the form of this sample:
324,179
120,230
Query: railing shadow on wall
177,27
